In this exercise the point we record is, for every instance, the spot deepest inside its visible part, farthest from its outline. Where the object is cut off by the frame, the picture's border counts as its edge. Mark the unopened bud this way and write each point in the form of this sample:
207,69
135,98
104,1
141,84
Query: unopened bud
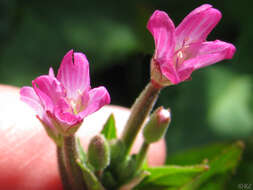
99,152
157,125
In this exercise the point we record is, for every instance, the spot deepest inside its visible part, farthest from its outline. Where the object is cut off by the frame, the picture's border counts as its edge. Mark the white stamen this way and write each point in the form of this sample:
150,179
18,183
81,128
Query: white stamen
180,54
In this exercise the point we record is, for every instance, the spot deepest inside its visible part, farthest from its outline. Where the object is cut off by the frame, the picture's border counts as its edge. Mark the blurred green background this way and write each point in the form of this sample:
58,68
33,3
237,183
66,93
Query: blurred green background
216,105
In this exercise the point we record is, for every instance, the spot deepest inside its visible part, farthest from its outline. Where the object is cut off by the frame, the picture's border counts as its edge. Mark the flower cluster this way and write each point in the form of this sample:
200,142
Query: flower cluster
63,101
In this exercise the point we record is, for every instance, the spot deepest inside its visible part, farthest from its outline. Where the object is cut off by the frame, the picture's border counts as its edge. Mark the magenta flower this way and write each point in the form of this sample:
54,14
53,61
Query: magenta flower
181,50
63,102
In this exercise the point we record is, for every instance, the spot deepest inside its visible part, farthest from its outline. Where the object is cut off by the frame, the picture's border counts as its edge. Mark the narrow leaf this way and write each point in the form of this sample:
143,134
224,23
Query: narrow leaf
224,163
217,182
109,129
89,177
197,155
82,154
135,181
171,176
222,159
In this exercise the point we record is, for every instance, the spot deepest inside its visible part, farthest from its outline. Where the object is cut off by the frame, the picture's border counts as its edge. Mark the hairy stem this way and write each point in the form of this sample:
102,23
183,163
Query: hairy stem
142,155
139,111
74,172
62,169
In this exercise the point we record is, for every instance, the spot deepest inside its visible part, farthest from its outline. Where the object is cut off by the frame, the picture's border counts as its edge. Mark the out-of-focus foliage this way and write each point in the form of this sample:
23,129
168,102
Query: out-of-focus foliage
229,99
216,105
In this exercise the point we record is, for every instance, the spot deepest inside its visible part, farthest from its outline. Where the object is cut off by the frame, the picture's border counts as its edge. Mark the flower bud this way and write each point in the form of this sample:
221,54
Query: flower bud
157,125
99,152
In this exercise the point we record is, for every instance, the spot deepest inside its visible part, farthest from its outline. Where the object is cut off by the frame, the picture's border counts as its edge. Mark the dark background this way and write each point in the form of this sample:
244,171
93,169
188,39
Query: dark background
215,106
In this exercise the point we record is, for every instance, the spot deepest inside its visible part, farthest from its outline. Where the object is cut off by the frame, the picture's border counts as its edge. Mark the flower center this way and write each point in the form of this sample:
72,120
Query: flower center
181,55
77,103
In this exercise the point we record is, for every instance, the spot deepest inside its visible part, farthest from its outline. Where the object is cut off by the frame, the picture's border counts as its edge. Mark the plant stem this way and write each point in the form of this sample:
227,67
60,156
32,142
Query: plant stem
99,174
139,111
62,169
142,155
73,170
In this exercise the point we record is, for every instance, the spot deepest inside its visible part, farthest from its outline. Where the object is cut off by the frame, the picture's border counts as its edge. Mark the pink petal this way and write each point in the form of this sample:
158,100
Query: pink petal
98,97
82,102
65,116
47,122
49,91
163,30
185,74
51,72
74,76
28,95
67,119
46,101
169,71
209,53
197,25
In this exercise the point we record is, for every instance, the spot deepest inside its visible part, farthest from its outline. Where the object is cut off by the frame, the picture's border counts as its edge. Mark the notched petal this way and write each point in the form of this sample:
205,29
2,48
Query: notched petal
74,74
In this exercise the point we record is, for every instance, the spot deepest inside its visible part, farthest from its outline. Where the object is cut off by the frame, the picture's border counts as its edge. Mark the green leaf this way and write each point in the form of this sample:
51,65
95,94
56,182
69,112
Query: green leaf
218,182
197,155
89,177
221,158
82,154
168,177
135,181
225,162
109,129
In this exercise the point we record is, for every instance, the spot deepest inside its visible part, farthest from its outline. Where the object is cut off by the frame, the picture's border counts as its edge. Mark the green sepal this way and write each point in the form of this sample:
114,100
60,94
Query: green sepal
109,129
55,136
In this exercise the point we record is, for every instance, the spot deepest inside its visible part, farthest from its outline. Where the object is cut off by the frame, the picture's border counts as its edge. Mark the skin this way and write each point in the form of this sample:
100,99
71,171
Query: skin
28,155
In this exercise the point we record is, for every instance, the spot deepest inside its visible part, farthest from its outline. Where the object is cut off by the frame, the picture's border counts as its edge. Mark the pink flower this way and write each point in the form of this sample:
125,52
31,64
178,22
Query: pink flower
63,102
181,50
